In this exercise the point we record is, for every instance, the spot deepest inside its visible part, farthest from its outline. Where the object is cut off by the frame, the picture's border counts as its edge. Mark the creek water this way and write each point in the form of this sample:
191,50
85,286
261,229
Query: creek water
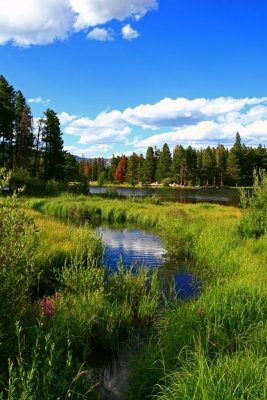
135,246
138,247
226,196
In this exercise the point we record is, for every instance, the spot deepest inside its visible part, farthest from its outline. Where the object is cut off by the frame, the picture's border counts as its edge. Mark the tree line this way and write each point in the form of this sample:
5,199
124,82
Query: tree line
186,166
23,147
37,150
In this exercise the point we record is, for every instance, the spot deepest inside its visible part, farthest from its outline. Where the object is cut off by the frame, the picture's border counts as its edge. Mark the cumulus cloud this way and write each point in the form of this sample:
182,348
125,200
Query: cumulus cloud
100,34
97,12
129,33
105,127
181,111
31,22
34,21
198,122
39,100
66,118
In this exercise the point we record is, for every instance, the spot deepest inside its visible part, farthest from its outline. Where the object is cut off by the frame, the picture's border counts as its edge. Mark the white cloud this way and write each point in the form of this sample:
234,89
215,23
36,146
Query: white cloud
100,34
105,127
178,112
39,100
65,118
98,12
198,122
32,22
129,33
90,152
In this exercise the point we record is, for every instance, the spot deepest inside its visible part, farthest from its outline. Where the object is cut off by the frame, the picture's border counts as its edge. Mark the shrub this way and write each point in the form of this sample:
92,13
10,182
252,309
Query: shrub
166,182
17,271
254,220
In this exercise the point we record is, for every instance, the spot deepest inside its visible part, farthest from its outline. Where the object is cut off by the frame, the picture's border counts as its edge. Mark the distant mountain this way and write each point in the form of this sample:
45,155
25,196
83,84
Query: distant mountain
107,161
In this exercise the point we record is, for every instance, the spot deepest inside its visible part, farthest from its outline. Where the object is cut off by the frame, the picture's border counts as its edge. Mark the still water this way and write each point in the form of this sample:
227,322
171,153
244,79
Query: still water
211,195
144,248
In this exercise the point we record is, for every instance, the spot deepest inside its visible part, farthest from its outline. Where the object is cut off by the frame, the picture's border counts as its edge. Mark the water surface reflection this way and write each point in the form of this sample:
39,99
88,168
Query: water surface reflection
144,248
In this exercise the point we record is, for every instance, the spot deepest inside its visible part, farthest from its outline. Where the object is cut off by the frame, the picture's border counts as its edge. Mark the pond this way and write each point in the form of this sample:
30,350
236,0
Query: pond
136,246
218,195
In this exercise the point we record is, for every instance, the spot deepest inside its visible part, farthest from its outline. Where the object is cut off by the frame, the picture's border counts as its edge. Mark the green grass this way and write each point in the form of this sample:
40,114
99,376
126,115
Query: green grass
212,347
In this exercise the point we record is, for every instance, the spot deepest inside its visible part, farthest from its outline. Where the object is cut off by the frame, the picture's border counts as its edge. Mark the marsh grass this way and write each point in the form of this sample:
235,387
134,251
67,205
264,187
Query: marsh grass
47,371
211,347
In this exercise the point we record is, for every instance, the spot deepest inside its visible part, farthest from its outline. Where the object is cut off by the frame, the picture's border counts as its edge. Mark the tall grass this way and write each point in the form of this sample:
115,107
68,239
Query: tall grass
211,347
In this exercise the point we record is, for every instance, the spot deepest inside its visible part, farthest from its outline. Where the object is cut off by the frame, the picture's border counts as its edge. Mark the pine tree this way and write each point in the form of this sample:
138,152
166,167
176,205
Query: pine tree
37,145
94,170
149,166
191,163
23,132
164,166
209,166
179,165
113,167
7,121
132,170
71,168
140,171
54,159
235,163
221,158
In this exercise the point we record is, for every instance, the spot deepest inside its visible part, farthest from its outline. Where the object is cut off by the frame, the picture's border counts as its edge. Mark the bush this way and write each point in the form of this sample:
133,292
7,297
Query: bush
254,220
166,182
101,178
17,272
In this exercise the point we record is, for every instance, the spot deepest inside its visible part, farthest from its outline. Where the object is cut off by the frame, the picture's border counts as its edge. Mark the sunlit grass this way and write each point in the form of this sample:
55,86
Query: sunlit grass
210,347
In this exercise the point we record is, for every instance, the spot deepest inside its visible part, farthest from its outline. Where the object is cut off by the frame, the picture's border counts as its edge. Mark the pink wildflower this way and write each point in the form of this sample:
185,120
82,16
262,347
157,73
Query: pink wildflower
47,306
200,312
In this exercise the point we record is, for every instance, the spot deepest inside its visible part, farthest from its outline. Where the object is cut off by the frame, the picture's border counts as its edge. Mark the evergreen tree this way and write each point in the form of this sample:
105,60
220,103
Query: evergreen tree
164,166
199,167
23,132
95,170
209,166
7,120
149,166
221,158
113,167
140,171
235,163
191,166
179,165
37,147
53,146
132,169
71,168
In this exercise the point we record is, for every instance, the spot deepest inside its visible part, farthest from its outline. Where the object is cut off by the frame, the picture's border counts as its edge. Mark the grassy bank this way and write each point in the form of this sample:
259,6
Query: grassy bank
61,311
212,347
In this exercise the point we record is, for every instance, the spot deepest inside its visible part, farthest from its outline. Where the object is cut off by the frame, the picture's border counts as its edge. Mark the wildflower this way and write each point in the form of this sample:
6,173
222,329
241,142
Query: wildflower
200,312
47,307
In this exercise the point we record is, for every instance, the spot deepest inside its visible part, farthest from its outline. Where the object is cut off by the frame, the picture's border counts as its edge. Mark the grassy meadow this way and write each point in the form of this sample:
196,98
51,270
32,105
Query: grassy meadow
72,311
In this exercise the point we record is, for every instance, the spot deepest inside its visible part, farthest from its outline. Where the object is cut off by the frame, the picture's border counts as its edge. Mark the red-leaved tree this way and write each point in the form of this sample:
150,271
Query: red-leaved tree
121,170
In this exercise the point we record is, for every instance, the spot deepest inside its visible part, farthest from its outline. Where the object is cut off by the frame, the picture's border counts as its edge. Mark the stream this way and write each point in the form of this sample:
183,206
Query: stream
138,247
131,245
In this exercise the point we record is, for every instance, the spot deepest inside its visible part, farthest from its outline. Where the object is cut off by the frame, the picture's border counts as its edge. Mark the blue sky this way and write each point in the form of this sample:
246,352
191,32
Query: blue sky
126,74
